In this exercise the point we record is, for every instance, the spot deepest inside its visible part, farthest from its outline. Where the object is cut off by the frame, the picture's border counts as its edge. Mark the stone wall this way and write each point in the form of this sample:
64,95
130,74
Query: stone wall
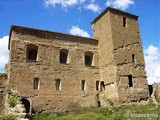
156,93
117,64
121,55
103,32
3,82
48,68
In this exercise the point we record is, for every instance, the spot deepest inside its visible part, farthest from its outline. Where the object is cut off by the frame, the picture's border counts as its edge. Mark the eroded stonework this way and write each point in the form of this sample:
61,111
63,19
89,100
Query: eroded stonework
59,72
3,86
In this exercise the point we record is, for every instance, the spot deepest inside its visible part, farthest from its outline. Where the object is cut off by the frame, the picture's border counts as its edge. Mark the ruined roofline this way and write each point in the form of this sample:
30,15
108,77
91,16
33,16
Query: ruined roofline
115,11
50,35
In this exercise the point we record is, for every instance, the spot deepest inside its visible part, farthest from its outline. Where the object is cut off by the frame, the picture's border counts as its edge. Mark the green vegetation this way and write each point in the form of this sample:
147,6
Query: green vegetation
110,102
7,117
12,101
115,113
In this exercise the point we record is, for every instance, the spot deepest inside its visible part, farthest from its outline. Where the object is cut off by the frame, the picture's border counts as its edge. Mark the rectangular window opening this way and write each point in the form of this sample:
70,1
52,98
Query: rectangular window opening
89,59
97,85
130,81
58,84
63,56
36,83
32,51
133,58
102,86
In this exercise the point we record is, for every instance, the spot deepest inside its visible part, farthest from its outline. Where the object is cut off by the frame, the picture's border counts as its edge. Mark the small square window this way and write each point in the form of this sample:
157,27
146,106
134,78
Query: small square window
32,51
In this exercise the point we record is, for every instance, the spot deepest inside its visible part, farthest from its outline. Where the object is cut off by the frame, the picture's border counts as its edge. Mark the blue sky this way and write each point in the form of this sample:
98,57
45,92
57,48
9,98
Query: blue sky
74,17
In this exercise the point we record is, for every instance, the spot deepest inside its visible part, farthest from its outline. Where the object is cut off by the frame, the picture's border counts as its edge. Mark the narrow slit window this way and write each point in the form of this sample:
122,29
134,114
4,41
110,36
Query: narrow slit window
97,85
32,51
102,86
36,83
63,56
133,58
124,22
130,81
58,84
89,59
83,85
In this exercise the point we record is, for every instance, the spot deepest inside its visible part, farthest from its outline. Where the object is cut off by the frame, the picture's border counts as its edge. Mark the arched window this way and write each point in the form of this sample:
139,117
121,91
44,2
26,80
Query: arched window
130,81
88,58
36,83
32,51
83,85
63,56
58,84
97,85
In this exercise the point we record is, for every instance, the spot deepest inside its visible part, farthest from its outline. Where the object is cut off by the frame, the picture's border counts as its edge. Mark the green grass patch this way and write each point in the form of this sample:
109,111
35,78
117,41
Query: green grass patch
116,113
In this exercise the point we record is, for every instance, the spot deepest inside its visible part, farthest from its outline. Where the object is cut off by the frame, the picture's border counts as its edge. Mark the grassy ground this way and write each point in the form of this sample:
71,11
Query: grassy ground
122,113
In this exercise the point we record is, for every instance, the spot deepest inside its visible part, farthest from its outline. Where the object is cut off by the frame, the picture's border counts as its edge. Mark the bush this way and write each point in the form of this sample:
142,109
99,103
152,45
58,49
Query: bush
12,101
110,102
7,117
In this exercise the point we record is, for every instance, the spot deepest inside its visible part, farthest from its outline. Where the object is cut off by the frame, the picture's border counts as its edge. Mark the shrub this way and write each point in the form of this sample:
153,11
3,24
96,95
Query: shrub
7,117
12,101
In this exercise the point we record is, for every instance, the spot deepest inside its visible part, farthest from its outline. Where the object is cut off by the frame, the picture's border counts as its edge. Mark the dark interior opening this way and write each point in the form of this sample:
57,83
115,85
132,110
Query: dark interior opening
32,54
102,86
32,51
63,56
150,89
88,60
133,58
130,81
124,21
99,104
26,104
97,85
83,85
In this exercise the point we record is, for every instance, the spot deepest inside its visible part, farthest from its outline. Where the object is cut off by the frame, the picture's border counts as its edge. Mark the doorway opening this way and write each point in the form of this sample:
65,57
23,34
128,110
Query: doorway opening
26,104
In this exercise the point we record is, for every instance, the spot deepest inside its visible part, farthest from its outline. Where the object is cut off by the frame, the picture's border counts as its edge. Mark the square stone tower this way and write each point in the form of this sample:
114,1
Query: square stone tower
122,67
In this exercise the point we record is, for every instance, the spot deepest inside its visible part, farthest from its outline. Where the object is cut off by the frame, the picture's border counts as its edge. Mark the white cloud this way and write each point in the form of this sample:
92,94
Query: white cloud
75,30
152,60
63,3
3,51
93,7
120,4
68,3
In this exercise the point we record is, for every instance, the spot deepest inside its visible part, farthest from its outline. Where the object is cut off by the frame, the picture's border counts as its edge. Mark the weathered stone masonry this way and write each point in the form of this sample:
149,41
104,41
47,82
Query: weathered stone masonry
3,86
57,72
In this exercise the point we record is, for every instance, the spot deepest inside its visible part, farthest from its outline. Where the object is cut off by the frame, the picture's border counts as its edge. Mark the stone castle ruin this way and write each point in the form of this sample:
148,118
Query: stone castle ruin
57,72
